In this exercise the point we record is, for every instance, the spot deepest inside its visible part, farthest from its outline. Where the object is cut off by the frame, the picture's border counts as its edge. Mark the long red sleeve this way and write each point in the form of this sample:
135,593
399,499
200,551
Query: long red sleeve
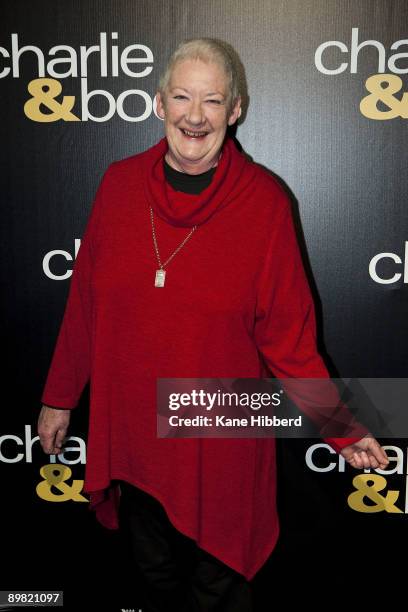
285,329
70,366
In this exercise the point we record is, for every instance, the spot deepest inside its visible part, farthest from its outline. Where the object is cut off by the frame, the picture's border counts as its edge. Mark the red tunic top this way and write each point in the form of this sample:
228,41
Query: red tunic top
236,291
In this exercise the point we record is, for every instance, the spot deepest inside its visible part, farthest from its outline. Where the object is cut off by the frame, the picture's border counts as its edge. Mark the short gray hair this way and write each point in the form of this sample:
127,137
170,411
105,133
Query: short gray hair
207,50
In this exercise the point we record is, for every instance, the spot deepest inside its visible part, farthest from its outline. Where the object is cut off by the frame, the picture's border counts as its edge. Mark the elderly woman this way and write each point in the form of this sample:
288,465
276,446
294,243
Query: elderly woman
189,267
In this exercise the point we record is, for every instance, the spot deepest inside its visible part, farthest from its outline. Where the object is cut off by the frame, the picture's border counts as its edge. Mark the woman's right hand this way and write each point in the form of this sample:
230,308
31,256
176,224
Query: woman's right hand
52,428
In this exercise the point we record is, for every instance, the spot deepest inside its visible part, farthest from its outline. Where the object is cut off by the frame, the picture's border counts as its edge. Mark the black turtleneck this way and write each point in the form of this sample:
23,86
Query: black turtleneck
189,183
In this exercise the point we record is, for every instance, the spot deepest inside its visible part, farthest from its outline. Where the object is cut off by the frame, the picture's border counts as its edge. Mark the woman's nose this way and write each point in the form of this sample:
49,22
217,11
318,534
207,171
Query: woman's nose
195,113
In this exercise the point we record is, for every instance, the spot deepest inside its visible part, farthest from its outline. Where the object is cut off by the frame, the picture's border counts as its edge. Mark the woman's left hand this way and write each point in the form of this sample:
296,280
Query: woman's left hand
366,453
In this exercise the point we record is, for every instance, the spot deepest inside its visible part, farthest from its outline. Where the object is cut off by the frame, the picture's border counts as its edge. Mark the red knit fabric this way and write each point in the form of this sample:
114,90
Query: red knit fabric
235,292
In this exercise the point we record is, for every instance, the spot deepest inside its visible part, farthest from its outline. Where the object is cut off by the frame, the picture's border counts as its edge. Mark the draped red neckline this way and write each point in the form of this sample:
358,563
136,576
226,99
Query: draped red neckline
232,174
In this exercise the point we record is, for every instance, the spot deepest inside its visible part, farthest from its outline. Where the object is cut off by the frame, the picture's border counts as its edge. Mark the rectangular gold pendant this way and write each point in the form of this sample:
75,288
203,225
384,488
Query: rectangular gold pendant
160,278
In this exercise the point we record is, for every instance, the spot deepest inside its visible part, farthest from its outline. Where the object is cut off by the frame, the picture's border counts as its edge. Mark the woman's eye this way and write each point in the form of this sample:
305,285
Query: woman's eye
181,97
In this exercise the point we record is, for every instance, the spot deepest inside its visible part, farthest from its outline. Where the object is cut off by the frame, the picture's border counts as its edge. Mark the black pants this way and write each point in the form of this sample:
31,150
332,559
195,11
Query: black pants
175,574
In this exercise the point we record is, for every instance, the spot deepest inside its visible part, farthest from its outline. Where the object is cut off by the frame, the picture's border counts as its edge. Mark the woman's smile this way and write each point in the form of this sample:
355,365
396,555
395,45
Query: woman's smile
193,135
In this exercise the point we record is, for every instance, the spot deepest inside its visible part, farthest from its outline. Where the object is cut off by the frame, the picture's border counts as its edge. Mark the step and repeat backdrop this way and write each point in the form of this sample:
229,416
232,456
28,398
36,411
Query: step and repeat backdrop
326,110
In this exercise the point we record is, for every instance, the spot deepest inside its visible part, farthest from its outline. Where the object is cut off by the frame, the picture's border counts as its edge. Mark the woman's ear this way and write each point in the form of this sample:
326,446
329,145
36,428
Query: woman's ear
236,112
160,105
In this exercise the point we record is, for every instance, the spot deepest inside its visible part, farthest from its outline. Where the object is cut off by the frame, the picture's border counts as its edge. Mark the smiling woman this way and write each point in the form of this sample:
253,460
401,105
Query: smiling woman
197,106
195,198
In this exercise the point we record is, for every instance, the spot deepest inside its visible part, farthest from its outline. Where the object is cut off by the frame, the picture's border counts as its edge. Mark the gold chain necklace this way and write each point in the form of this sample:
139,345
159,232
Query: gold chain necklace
161,273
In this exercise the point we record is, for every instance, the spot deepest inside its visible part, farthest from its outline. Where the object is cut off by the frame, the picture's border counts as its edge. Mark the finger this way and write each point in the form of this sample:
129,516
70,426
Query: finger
50,445
378,452
47,443
373,462
362,459
380,455
357,460
365,460
60,438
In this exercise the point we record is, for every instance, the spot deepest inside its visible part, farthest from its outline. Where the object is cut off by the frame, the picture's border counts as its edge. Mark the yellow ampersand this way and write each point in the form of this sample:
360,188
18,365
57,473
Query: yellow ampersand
55,476
44,91
398,108
356,499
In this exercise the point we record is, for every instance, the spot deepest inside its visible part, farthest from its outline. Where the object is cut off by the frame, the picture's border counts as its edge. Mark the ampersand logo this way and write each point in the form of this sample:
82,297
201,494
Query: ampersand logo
368,487
44,91
56,476
393,84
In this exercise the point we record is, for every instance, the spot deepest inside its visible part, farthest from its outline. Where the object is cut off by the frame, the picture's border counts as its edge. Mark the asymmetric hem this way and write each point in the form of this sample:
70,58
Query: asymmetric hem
262,557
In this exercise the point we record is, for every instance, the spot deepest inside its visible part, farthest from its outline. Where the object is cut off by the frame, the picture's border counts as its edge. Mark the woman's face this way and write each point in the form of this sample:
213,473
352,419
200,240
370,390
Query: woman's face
195,115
